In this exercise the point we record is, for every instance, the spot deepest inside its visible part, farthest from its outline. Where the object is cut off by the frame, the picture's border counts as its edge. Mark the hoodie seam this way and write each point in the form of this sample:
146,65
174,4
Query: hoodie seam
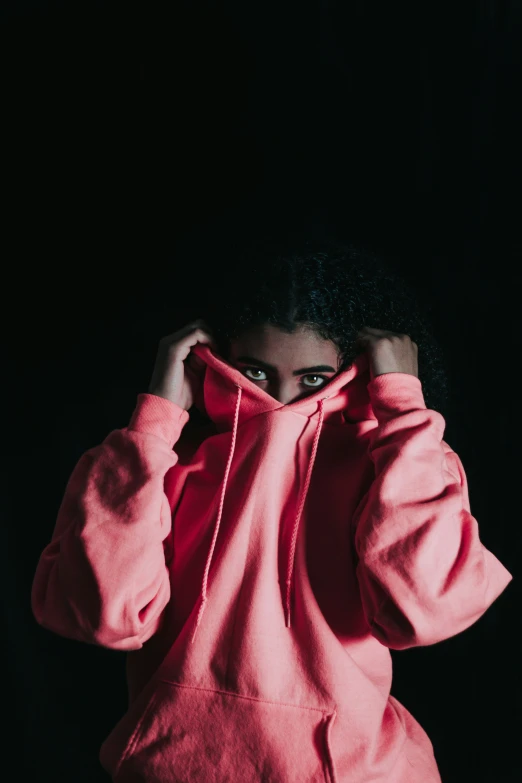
322,710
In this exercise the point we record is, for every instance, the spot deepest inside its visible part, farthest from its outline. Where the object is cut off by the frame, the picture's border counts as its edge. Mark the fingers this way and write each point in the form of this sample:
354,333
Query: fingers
187,336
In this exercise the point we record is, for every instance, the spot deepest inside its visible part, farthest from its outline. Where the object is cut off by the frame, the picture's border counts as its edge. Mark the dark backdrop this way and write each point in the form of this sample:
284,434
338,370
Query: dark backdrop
140,143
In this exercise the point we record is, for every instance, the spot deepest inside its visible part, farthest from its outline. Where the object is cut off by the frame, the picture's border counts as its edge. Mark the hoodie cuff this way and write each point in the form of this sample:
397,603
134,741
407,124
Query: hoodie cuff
393,393
155,415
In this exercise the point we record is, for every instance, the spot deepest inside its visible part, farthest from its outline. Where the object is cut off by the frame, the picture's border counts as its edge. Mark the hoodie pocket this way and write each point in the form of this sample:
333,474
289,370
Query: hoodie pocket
189,735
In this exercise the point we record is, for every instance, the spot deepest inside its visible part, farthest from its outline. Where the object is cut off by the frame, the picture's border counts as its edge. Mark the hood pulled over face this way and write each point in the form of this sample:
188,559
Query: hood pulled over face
345,396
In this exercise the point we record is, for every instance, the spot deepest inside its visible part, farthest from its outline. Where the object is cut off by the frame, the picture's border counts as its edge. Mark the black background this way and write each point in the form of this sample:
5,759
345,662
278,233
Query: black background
140,141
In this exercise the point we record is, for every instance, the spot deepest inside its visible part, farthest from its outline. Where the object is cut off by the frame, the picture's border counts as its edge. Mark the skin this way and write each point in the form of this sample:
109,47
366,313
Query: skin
292,366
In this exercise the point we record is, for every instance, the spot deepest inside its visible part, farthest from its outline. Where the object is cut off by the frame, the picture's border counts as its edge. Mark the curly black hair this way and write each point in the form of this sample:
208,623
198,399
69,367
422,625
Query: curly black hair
333,287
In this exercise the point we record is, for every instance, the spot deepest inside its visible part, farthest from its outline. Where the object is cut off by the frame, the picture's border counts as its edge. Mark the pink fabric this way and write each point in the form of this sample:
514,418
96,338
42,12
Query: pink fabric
258,584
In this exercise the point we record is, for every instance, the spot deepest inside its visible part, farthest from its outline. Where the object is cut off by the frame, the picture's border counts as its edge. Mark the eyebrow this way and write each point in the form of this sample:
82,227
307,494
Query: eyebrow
302,371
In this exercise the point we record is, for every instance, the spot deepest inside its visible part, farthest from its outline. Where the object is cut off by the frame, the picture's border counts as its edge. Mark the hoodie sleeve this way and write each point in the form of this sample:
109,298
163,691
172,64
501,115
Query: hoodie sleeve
424,576
103,578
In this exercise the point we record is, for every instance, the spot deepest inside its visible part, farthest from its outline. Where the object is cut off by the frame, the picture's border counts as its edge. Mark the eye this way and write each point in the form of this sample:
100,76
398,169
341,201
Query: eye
320,378
255,370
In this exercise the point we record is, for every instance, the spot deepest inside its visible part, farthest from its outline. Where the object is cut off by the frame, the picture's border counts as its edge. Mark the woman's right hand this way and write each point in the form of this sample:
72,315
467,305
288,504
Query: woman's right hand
175,377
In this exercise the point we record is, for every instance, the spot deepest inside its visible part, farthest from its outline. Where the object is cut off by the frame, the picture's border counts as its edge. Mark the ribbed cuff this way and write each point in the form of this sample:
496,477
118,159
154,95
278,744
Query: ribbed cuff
393,393
157,416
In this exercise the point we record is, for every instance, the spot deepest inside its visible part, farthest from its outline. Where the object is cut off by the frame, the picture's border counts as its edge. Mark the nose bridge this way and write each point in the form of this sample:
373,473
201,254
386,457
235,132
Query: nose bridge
284,390
284,396
287,391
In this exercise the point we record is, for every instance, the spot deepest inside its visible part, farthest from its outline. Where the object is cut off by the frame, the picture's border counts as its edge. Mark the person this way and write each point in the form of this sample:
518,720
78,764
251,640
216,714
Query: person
279,514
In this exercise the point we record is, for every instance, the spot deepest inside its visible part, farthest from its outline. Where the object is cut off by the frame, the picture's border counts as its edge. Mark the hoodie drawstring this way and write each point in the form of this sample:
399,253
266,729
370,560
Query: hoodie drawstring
220,512
296,522
300,511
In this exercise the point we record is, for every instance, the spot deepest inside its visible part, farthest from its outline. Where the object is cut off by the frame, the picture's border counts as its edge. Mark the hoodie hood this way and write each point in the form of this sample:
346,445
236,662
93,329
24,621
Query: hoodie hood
230,399
344,399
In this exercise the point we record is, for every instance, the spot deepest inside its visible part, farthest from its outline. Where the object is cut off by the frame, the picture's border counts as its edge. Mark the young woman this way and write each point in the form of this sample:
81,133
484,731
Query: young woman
259,561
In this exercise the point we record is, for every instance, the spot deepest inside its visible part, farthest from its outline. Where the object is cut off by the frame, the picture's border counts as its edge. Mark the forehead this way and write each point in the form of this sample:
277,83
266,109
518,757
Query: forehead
272,345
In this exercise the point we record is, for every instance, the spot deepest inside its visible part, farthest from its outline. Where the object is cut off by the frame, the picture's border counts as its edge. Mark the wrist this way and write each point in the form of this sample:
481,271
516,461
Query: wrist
158,416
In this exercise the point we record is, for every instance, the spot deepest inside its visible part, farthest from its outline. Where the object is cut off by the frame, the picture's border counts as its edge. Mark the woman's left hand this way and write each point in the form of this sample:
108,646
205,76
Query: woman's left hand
389,351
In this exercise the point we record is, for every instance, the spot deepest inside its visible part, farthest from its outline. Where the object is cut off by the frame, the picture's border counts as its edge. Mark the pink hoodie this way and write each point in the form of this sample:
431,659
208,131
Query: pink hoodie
259,583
